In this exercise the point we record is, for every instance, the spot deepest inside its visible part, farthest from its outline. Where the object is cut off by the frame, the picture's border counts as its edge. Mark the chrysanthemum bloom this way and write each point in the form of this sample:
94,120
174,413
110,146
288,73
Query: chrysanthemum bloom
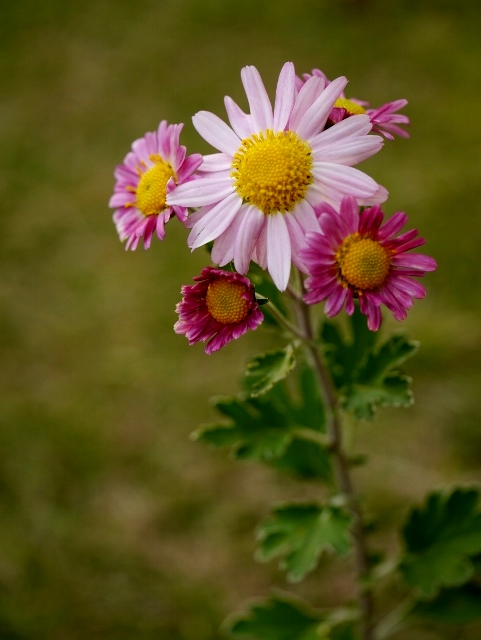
356,257
257,195
385,119
220,307
154,166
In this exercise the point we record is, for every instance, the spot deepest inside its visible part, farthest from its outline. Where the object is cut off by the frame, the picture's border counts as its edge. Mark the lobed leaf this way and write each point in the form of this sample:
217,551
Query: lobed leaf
282,427
278,618
300,533
264,371
365,375
441,539
452,606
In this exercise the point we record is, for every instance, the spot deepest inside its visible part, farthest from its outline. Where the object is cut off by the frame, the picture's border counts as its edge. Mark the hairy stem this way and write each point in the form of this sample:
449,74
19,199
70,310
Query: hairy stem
341,469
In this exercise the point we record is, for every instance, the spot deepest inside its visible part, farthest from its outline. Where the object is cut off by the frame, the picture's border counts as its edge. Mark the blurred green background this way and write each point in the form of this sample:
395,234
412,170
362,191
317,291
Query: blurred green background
113,524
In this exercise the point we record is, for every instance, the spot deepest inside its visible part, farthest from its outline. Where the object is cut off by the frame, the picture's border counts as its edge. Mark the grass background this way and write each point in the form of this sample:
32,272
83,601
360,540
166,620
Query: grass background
113,524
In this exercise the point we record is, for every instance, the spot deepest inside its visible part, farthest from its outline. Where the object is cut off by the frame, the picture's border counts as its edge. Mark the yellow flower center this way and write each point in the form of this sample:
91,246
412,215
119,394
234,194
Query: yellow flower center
272,170
151,190
363,263
351,107
225,301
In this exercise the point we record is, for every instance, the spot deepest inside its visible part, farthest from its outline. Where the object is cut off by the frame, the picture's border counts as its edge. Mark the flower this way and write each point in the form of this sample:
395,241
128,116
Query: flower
384,119
220,307
257,195
154,166
356,257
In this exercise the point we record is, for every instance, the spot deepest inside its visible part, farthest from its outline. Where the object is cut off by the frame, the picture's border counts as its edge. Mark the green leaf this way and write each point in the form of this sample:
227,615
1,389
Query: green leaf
283,427
345,631
263,372
452,606
365,375
441,538
300,533
278,618
257,429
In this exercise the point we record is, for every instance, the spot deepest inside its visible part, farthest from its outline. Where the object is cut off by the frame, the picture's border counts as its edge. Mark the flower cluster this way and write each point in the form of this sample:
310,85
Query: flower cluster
280,190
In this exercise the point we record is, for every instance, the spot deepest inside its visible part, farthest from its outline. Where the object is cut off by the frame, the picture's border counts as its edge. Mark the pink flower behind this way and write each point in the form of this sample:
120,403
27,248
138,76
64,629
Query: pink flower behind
220,307
356,257
385,119
154,166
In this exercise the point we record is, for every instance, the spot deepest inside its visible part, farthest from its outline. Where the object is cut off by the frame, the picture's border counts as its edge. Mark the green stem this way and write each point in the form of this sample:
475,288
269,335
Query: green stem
341,467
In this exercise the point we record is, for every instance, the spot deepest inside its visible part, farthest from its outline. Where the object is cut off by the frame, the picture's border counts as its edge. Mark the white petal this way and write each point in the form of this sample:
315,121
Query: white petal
346,180
223,249
202,191
278,250
285,96
353,126
259,103
247,237
240,121
314,119
215,162
308,94
298,241
215,222
216,132
306,217
349,152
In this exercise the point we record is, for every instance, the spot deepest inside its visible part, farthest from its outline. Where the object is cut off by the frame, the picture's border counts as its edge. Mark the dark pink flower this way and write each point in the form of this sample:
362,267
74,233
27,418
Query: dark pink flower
356,256
220,307
385,119
156,164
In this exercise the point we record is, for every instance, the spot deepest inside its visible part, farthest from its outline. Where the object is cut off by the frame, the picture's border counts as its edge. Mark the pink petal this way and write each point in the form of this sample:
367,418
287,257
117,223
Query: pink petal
350,214
259,103
392,226
335,301
278,250
216,132
415,261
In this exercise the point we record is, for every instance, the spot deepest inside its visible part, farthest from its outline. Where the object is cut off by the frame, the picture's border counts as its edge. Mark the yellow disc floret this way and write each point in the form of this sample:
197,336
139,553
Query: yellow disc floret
227,302
273,170
151,190
363,263
351,107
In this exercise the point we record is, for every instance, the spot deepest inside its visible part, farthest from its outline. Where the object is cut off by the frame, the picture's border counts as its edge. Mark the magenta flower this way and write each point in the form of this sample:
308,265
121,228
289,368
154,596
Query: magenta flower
220,307
257,195
384,119
154,166
356,257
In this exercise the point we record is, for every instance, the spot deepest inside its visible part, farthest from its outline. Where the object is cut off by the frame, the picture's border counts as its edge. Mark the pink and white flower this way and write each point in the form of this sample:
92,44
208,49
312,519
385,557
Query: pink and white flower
357,257
257,195
385,119
220,307
155,165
